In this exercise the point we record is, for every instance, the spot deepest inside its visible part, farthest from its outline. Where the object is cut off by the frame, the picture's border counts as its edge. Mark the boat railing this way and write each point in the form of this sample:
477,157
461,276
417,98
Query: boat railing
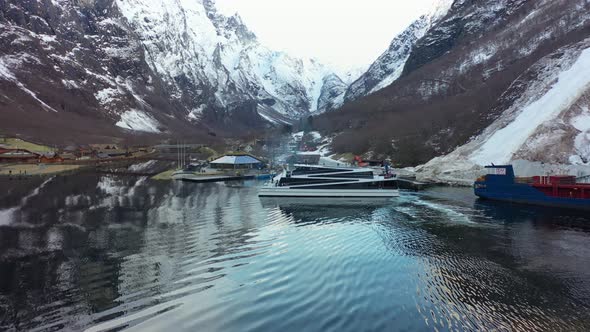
524,180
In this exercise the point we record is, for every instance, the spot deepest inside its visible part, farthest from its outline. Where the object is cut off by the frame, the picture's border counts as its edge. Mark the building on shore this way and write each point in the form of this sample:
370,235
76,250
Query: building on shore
116,153
100,147
68,156
50,158
18,156
111,151
244,161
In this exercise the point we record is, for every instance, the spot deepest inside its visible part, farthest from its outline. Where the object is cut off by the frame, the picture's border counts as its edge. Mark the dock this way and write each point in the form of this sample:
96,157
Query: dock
411,184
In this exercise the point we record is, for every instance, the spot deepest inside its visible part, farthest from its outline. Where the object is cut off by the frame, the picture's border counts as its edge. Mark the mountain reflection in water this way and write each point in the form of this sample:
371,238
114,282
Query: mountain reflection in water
106,253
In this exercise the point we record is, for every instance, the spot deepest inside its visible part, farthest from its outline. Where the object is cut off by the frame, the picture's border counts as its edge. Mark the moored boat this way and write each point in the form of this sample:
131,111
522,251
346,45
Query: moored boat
332,182
560,191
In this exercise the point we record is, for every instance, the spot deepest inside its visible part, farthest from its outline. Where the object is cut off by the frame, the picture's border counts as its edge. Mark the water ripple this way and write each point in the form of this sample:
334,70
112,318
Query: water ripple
155,256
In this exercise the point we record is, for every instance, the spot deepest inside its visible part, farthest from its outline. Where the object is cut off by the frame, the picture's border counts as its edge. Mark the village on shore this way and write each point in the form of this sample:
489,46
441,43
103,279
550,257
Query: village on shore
20,158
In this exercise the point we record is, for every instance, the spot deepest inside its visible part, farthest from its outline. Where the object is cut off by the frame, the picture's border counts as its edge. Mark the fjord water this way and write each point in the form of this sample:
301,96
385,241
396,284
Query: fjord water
101,253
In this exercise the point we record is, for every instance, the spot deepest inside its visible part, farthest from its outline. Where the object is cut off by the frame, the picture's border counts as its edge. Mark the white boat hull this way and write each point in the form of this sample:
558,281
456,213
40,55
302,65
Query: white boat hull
357,193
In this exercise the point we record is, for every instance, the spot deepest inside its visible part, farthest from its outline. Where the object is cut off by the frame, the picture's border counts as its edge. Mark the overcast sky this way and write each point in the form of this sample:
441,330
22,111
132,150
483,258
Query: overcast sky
346,33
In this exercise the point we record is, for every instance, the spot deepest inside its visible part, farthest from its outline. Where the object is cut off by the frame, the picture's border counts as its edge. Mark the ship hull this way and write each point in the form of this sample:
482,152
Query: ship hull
524,194
327,193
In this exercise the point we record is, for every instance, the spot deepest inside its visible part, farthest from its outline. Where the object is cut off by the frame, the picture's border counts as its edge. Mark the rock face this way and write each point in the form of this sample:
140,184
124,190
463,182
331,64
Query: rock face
60,63
469,76
103,68
390,65
332,94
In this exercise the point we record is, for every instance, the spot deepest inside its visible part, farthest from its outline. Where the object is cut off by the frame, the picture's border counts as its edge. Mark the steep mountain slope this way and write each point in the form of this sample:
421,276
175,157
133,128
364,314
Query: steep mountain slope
389,66
60,61
467,70
548,122
90,70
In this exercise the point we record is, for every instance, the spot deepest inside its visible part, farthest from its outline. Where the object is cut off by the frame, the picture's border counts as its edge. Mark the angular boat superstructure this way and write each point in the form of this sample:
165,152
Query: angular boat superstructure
322,181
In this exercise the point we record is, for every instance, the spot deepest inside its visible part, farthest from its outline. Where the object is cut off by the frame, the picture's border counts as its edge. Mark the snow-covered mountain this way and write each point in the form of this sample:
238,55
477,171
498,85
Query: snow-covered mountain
189,43
156,66
487,82
390,65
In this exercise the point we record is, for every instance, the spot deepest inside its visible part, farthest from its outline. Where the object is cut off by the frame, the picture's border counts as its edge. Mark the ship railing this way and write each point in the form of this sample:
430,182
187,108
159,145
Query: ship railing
525,180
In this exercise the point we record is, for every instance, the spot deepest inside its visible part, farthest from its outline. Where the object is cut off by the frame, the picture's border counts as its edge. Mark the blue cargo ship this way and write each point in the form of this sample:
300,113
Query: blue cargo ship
554,191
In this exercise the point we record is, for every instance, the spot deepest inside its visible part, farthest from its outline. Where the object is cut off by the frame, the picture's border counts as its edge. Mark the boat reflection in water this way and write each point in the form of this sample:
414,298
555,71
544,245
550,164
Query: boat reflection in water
110,253
303,211
318,202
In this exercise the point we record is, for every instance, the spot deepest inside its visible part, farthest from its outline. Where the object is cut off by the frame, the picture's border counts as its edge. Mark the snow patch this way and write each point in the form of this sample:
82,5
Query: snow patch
571,84
70,84
120,52
268,118
47,38
103,78
106,96
197,113
138,121
388,80
5,71
582,140
440,8
297,136
582,122
316,135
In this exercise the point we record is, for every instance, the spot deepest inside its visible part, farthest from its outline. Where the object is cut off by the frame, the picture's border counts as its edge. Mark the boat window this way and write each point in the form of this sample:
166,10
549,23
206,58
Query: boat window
358,185
312,170
353,175
301,181
496,171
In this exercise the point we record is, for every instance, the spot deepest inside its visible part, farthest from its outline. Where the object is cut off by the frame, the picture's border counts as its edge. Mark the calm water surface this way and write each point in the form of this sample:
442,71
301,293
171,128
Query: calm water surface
109,253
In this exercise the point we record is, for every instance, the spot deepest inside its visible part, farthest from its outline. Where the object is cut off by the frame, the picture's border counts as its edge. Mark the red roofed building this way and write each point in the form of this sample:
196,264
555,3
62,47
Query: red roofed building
50,159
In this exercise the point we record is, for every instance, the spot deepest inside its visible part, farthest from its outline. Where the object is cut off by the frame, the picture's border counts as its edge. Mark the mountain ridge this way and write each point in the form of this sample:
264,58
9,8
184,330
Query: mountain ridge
389,66
127,67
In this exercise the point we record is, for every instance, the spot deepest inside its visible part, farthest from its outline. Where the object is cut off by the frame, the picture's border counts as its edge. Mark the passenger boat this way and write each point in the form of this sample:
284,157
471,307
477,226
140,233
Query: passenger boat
333,182
555,191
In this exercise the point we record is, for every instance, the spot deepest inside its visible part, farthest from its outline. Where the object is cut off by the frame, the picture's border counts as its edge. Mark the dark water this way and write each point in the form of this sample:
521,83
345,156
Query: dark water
110,253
